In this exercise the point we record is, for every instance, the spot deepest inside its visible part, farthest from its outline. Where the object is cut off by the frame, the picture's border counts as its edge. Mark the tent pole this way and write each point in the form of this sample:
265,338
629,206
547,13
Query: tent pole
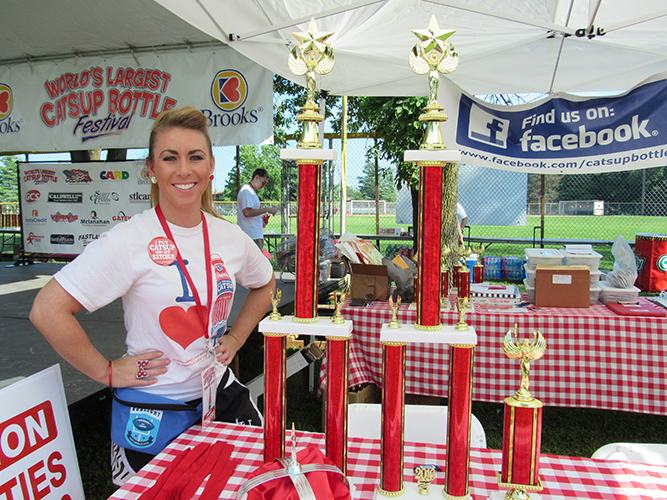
343,168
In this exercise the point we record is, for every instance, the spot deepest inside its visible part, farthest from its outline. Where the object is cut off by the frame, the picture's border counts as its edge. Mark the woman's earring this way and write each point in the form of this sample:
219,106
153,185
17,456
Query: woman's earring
153,179
211,178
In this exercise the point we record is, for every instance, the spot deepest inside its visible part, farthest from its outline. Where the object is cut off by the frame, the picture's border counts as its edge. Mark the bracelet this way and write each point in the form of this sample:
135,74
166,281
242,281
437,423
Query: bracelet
110,379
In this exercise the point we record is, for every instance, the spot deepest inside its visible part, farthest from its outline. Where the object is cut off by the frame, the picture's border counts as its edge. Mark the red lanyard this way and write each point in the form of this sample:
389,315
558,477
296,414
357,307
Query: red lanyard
203,314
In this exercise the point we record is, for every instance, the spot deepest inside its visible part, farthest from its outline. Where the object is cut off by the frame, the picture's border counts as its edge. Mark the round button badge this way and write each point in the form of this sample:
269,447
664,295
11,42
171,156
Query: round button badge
162,251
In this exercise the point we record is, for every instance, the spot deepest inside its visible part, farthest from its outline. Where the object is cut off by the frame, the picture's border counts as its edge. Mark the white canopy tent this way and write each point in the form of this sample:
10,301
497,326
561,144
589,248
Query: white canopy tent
505,46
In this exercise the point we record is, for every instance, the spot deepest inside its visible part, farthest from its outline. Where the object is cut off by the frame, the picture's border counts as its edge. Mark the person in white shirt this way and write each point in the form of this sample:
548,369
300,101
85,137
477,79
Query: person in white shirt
462,221
249,209
176,267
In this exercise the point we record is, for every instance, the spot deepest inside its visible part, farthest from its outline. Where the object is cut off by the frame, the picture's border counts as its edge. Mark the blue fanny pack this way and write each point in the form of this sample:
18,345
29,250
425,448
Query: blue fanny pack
148,423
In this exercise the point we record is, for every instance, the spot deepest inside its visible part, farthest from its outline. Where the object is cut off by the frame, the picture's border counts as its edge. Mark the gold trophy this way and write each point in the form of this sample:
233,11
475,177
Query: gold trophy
433,54
275,315
462,252
462,308
524,351
424,475
523,417
338,316
311,56
394,312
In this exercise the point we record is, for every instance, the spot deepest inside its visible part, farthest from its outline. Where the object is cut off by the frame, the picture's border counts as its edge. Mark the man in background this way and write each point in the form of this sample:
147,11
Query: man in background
249,211
462,219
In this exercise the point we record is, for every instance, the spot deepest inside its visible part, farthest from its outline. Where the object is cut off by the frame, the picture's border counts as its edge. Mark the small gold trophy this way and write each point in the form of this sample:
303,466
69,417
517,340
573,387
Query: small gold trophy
394,312
311,56
338,317
433,54
275,315
425,474
462,252
462,308
524,351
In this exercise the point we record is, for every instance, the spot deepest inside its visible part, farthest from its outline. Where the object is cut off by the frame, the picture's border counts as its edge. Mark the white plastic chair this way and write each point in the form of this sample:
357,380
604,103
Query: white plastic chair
655,454
423,424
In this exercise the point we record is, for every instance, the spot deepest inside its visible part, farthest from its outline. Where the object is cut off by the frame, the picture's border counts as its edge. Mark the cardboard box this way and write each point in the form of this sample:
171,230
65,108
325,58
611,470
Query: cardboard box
369,394
367,279
562,286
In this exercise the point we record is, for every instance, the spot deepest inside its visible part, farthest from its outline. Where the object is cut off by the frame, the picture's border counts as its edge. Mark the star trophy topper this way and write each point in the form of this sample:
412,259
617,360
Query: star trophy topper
433,54
313,56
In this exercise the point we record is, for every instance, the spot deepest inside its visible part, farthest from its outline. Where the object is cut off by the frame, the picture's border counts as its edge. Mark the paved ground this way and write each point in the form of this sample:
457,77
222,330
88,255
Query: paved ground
25,352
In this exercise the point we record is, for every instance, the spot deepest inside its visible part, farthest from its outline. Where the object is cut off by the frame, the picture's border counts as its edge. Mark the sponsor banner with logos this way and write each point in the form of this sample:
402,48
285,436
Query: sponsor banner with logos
563,134
66,206
112,102
37,450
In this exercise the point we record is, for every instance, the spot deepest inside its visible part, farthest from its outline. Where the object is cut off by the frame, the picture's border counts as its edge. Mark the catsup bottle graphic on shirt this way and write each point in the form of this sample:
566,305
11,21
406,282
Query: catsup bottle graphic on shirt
224,294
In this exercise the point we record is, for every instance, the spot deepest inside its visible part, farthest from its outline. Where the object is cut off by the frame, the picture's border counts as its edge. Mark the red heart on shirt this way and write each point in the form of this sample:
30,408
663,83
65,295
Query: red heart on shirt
181,326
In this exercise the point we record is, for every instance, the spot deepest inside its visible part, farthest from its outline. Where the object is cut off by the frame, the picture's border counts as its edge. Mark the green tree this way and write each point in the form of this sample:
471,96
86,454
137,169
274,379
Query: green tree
8,180
395,123
366,184
254,157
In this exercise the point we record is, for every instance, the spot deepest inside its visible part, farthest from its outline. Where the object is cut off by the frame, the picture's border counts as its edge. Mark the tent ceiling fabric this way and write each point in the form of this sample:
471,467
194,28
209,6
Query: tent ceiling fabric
43,28
505,46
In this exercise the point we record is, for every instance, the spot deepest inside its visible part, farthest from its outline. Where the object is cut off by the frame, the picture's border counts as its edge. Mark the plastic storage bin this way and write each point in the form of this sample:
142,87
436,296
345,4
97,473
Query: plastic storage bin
511,268
609,293
530,291
548,256
579,258
595,295
491,267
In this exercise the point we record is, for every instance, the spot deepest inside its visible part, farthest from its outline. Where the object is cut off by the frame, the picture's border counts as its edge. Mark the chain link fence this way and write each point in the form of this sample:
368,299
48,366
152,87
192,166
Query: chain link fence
591,208
503,207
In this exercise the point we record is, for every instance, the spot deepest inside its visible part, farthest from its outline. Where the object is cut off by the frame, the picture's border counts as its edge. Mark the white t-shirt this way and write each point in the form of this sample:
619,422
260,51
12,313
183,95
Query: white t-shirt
159,307
460,212
252,226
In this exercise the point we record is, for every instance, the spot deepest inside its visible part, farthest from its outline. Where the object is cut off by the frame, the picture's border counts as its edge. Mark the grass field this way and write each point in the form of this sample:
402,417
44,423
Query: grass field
562,227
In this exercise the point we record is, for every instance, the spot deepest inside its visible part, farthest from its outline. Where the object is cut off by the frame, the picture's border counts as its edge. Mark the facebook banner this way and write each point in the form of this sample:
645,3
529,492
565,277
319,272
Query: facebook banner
565,134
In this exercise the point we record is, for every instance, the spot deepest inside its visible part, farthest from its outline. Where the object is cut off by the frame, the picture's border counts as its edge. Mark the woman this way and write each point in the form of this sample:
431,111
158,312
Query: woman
156,263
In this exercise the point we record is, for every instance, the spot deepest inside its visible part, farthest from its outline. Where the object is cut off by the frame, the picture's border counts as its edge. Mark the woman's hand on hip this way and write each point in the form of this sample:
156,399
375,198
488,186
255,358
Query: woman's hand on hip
140,370
227,347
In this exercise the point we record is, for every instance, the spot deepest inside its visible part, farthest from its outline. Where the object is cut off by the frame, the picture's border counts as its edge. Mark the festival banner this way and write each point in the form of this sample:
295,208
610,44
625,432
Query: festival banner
66,206
562,134
112,102
37,452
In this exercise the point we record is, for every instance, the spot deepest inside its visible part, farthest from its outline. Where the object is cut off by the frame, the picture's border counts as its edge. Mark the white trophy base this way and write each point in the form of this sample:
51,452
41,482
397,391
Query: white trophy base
308,154
500,495
287,326
448,334
444,155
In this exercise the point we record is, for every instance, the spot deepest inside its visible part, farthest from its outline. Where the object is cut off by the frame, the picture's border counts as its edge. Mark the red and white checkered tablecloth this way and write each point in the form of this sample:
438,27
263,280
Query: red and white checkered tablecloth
562,477
594,359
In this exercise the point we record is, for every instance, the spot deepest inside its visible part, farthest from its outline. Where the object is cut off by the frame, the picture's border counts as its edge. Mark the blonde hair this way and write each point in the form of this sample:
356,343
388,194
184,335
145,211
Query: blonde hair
188,118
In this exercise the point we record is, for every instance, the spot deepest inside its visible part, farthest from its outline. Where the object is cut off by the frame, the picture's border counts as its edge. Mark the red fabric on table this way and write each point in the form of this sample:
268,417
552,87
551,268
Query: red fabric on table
562,477
610,353
217,456
325,485
152,492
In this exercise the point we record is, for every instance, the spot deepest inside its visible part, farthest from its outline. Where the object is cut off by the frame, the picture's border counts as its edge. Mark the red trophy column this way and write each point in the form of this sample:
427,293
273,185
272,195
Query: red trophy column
430,231
274,396
307,241
336,402
522,437
459,416
393,402
478,273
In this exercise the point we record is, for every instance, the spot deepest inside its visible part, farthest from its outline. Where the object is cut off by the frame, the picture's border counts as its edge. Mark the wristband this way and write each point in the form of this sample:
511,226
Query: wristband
110,379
